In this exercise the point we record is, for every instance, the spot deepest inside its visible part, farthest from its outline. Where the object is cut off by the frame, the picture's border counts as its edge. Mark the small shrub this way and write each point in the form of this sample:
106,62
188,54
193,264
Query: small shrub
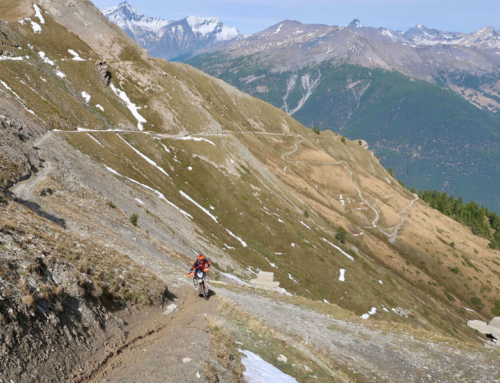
495,311
343,140
245,168
454,270
476,301
29,300
450,297
341,235
306,213
134,218
360,143
452,245
316,130
111,204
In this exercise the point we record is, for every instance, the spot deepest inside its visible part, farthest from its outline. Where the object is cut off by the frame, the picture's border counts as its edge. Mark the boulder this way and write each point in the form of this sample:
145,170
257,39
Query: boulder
495,322
492,329
265,279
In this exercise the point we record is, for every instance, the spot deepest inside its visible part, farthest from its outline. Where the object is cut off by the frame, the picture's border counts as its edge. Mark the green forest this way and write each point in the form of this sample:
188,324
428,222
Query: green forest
481,221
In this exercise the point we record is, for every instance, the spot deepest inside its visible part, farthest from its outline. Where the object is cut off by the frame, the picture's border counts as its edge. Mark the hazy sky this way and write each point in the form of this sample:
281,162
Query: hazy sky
251,16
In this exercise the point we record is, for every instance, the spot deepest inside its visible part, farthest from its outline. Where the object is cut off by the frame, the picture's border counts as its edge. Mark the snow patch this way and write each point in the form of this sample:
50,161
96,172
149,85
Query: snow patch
342,275
38,13
149,160
99,107
36,27
139,201
189,138
190,168
369,313
11,58
258,370
130,105
305,225
342,200
60,74
281,290
292,278
159,194
95,140
230,276
243,243
17,96
76,56
86,97
271,263
339,249
45,58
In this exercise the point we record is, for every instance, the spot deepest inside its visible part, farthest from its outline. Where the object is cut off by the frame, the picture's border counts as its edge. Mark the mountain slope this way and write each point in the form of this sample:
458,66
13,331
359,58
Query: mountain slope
208,169
331,77
170,38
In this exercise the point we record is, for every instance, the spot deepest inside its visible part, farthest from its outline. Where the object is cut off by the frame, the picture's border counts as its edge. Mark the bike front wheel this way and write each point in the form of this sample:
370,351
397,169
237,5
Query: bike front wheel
205,290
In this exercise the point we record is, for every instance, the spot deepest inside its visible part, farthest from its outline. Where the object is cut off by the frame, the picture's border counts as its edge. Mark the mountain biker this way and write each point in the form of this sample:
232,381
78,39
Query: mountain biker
202,263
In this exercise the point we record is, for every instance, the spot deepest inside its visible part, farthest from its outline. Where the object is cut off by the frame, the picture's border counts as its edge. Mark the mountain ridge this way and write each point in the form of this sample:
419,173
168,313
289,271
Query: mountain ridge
170,38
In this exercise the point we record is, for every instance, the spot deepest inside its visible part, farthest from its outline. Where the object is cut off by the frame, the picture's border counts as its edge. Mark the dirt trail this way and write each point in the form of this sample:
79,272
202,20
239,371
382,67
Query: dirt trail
24,189
174,351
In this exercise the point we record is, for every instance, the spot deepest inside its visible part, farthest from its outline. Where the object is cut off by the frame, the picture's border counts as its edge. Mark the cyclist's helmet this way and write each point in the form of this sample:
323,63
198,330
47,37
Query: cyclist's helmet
201,257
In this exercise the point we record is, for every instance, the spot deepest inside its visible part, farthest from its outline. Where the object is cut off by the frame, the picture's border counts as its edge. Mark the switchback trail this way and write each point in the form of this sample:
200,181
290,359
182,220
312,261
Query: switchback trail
395,229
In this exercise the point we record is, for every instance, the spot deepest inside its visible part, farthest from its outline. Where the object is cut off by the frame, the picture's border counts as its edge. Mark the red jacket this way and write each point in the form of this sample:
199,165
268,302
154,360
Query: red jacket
204,264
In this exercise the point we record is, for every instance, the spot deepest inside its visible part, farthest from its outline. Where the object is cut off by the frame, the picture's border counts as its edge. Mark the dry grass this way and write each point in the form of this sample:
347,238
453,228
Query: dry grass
223,347
29,300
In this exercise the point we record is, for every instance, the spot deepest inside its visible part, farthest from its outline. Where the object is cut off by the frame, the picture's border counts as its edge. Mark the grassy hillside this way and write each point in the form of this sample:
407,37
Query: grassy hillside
429,135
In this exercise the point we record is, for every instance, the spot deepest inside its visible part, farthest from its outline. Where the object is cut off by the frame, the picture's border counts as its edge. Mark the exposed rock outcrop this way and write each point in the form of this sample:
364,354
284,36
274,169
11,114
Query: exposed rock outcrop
18,158
490,329
102,70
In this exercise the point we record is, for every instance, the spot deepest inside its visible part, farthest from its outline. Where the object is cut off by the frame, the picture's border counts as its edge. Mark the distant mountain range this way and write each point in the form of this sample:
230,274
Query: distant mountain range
170,38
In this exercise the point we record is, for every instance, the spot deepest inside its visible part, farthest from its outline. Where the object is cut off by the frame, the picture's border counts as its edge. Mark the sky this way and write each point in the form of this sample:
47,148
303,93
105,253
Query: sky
251,16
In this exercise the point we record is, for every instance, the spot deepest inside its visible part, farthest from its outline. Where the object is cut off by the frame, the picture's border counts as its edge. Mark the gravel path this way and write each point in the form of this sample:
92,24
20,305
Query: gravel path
380,356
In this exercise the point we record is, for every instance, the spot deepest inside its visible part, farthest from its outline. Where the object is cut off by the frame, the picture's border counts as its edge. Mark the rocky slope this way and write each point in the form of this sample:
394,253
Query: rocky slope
170,39
207,169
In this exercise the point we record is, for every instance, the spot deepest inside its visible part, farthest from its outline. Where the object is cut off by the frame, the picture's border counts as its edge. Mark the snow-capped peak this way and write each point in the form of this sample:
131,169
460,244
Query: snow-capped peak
128,18
169,38
213,25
